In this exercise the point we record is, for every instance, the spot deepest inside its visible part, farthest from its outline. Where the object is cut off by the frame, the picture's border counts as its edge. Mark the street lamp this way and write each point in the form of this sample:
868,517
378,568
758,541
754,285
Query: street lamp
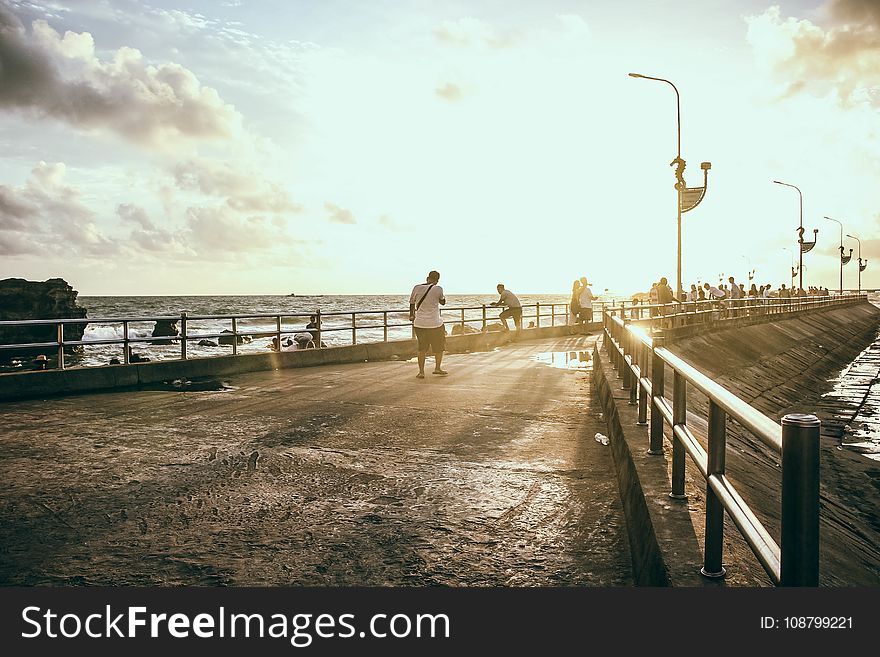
804,246
687,197
843,259
861,266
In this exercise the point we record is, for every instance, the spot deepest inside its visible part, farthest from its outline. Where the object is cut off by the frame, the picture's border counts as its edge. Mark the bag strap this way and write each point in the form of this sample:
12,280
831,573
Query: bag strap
419,304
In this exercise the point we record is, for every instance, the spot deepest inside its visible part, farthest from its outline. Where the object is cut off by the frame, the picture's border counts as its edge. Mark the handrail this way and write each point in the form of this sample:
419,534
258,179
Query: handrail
637,350
261,325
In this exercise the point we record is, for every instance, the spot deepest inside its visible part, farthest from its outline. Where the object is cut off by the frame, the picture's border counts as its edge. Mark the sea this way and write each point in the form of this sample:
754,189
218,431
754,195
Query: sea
295,311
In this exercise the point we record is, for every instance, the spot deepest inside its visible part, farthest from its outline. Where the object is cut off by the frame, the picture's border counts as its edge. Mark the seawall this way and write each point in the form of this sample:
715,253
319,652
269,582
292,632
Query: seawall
778,367
25,385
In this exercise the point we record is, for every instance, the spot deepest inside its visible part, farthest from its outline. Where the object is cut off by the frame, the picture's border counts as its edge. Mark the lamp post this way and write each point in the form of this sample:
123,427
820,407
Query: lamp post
804,246
861,266
840,288
687,197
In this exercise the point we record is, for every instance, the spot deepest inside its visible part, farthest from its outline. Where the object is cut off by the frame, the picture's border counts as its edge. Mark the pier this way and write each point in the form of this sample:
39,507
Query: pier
338,467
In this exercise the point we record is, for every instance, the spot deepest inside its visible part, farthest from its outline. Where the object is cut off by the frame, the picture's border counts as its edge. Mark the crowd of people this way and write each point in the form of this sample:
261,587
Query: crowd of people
661,293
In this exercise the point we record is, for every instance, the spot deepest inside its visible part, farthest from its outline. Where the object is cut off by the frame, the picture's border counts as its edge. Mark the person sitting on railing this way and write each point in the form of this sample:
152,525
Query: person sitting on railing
514,307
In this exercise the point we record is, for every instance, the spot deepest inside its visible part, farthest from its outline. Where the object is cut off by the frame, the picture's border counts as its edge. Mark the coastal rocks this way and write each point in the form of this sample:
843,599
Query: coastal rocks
495,327
458,329
207,343
163,328
228,339
51,299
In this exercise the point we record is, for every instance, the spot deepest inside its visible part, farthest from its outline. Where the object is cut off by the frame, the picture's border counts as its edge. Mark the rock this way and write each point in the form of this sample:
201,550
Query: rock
494,328
51,299
458,329
165,327
207,343
227,339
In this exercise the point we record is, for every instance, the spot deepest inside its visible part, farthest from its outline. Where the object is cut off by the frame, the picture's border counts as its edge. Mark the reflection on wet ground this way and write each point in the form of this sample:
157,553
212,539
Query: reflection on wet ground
566,360
196,384
852,408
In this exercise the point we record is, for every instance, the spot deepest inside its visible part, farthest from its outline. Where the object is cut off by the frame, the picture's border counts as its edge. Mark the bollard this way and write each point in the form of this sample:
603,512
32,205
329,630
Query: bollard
657,388
679,416
799,536
714,544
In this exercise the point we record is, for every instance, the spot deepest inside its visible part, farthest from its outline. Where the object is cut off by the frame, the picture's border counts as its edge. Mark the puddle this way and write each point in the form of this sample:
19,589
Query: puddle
198,384
566,360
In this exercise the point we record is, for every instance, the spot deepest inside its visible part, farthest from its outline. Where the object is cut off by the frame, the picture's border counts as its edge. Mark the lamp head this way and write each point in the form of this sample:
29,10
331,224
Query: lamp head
705,166
636,75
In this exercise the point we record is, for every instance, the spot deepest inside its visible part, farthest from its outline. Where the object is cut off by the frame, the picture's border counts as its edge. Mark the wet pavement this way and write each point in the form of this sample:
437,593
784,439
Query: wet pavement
337,475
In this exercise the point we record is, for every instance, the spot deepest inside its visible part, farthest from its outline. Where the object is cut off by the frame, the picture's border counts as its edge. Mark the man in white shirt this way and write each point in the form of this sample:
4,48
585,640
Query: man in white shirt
585,300
424,313
514,307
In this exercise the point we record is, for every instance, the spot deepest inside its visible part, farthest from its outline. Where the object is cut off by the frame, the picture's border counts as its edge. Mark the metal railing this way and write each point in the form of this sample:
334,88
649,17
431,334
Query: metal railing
348,323
641,361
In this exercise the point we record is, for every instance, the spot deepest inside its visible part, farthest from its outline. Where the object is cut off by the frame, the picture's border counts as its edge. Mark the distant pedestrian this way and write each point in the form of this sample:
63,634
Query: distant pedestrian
585,302
735,291
424,312
574,303
514,307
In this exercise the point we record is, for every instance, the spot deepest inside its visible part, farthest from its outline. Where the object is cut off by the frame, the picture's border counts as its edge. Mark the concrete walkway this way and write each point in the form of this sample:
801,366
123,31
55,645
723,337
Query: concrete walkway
333,475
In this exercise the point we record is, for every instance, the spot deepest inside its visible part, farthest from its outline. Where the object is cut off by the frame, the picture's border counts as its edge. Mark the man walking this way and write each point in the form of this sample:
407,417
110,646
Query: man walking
514,307
424,313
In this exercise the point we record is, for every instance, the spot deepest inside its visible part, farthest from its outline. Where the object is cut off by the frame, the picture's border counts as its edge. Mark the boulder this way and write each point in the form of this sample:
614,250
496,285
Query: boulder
495,328
227,339
165,327
51,299
207,343
458,329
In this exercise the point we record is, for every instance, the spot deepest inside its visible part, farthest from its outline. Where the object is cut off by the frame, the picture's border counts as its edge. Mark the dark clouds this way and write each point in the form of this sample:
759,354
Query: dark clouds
45,74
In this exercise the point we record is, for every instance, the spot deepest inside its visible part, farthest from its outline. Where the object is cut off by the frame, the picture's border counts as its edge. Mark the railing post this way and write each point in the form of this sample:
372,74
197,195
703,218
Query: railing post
679,417
60,345
712,564
183,335
552,314
799,536
484,316
633,379
278,330
125,354
234,336
353,329
657,385
624,348
462,321
385,326
318,326
643,394
538,315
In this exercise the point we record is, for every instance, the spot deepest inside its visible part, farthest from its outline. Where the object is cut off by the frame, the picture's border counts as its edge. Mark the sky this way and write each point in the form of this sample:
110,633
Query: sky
330,147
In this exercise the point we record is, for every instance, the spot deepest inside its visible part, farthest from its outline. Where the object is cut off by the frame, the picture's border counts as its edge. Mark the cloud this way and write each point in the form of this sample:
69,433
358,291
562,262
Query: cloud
843,58
449,91
245,190
338,215
217,230
149,237
474,32
43,73
45,215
